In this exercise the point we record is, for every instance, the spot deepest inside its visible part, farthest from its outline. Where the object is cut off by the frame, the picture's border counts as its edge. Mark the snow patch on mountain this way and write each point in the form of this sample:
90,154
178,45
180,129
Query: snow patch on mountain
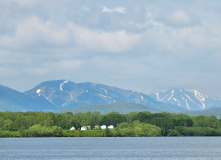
64,104
61,85
200,97
189,98
102,96
38,92
157,94
171,95
177,101
49,100
187,104
163,98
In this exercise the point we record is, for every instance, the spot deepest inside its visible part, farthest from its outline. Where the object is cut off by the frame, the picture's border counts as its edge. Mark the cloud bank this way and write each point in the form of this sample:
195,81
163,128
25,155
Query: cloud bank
144,46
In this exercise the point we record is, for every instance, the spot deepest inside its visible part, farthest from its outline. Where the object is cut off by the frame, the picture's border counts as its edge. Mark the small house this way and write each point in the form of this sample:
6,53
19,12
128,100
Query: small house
72,128
86,128
103,127
111,127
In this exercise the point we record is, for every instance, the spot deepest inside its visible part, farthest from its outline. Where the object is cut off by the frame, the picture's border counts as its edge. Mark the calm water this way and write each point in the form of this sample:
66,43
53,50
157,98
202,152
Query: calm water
193,148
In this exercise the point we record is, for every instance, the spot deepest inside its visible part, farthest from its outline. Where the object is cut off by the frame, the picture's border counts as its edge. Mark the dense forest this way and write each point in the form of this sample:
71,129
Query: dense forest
48,124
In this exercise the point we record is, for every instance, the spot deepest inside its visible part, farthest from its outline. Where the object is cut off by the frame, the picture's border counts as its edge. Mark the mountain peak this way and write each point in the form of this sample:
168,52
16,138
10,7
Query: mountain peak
185,98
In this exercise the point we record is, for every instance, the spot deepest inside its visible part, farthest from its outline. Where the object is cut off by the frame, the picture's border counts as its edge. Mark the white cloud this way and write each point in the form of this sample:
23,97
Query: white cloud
36,71
118,41
160,38
181,18
117,9
33,32
53,67
27,3
64,65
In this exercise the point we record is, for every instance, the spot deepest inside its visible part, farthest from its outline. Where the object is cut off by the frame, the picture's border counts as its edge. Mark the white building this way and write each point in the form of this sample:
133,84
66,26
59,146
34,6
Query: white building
111,127
72,128
103,127
86,128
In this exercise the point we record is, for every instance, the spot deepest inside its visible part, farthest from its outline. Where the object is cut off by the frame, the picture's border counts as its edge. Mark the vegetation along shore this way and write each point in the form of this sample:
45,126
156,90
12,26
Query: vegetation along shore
133,124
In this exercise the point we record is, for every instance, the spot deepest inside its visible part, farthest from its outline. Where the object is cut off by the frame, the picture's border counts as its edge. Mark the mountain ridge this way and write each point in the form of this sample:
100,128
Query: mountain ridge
68,94
61,94
12,100
185,98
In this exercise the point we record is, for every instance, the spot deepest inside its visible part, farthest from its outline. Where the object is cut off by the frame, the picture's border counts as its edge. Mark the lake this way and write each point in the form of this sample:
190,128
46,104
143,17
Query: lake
131,148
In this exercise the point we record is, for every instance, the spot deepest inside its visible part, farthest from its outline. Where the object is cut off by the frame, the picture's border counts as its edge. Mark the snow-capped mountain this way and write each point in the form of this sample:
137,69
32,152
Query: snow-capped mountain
192,100
66,94
61,94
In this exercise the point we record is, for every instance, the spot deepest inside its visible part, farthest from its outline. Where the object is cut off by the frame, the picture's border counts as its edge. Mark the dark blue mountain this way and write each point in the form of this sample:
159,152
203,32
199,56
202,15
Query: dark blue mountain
12,100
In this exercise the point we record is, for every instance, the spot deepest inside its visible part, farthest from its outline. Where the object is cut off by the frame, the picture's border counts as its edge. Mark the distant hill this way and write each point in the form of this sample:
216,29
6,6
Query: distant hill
216,111
191,100
12,100
121,107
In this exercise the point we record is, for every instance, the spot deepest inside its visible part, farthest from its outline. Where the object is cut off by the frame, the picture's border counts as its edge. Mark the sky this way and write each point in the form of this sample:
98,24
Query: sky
145,46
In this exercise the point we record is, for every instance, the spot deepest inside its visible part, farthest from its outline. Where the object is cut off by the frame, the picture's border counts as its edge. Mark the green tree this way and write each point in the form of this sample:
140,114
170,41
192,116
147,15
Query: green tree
8,125
112,118
1,123
130,117
217,124
137,129
211,121
144,116
200,121
183,120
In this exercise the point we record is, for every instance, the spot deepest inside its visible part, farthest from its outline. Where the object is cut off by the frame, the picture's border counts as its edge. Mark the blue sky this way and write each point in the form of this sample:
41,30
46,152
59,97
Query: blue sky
146,46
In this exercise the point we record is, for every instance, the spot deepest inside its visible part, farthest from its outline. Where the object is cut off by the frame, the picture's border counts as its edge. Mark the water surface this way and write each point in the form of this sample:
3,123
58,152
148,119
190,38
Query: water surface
154,148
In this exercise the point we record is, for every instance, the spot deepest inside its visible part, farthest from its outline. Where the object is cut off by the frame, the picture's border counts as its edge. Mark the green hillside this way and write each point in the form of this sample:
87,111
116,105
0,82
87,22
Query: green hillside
216,111
121,107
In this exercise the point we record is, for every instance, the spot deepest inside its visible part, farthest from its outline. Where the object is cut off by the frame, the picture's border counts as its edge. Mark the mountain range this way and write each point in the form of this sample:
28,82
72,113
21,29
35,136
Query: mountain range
61,94
66,94
191,100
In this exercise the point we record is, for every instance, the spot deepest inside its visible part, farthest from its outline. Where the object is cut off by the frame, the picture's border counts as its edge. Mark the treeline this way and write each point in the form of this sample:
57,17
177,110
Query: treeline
42,124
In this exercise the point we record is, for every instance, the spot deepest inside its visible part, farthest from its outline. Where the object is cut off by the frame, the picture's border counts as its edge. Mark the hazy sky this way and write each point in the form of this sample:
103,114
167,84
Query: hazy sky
144,45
